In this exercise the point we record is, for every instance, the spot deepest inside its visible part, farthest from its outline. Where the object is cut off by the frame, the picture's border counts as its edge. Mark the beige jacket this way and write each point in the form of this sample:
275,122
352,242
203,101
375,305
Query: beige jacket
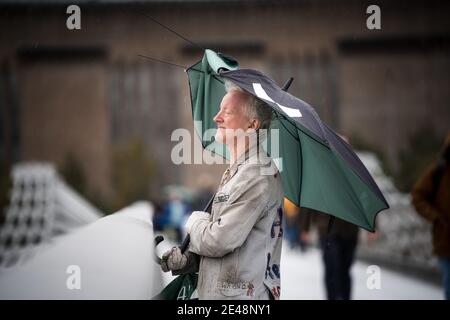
240,241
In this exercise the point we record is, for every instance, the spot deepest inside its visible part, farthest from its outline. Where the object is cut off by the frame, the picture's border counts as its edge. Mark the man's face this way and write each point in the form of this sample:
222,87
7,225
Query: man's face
230,119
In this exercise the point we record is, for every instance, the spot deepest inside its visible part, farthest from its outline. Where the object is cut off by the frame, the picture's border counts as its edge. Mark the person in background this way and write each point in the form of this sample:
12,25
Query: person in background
293,226
205,192
175,212
431,198
338,246
338,243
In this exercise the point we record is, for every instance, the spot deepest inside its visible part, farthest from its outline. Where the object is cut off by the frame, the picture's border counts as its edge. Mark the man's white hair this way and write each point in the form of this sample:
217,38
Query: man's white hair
255,108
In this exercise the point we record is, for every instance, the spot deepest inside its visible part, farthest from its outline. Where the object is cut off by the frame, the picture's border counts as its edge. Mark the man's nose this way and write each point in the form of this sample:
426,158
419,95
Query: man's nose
218,118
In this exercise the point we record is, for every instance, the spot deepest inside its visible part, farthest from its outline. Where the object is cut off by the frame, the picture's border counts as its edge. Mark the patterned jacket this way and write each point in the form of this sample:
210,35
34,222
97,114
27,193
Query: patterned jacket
239,243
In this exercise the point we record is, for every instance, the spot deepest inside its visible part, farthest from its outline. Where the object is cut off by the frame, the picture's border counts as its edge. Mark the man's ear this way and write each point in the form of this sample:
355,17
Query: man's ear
254,124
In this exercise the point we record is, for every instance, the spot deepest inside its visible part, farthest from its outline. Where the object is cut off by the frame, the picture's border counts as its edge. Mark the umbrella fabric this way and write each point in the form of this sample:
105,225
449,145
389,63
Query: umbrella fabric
318,169
182,287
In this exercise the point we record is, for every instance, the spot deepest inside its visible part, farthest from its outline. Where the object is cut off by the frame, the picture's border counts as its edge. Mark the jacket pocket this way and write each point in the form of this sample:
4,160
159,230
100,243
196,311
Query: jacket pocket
229,282
234,288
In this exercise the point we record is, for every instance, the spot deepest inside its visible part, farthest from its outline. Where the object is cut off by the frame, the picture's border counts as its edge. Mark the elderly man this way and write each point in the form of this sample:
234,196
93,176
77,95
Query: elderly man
237,247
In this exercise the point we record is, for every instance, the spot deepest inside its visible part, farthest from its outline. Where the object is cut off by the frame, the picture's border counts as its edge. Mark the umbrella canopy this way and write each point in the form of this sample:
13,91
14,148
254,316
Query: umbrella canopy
183,287
318,169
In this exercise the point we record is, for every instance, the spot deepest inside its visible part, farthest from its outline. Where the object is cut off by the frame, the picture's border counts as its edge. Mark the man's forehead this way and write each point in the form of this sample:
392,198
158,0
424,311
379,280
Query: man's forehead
234,98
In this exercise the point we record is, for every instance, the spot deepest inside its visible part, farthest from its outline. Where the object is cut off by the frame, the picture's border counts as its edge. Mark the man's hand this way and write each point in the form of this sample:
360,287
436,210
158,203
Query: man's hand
372,236
173,260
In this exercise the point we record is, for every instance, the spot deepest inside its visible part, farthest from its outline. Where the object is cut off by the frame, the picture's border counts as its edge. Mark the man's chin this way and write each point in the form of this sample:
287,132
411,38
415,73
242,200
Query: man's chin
219,138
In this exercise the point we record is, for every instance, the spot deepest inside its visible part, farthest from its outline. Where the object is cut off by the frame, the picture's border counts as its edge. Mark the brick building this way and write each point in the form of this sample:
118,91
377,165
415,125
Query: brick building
82,92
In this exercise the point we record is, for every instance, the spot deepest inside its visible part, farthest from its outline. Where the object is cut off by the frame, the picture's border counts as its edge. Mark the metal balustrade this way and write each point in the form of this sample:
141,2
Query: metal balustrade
41,206
51,236
404,238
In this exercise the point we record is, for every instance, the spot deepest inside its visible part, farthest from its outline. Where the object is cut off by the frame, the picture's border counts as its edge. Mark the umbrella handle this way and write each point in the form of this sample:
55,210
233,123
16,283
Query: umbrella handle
158,239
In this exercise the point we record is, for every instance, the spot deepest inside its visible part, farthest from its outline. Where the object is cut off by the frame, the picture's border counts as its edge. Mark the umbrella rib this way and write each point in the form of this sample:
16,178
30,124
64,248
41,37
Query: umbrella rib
214,76
218,79
192,68
289,131
162,61
173,31
305,132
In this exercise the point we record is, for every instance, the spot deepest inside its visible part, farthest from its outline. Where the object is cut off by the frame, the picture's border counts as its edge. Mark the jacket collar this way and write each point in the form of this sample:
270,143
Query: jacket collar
255,150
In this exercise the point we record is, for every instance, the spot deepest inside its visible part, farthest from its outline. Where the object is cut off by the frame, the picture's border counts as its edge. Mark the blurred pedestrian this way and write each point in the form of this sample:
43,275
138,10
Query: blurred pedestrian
338,245
205,192
338,241
431,198
293,226
175,212
291,214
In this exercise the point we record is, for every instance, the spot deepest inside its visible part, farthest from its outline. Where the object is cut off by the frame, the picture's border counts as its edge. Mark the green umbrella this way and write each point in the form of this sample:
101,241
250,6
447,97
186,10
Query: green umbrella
318,169
181,288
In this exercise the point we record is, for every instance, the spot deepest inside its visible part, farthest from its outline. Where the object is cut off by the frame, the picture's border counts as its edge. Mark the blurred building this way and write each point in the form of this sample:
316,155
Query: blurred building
79,93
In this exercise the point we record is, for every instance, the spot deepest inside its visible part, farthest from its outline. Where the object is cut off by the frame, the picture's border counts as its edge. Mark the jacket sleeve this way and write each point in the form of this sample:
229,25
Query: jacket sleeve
245,206
421,193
